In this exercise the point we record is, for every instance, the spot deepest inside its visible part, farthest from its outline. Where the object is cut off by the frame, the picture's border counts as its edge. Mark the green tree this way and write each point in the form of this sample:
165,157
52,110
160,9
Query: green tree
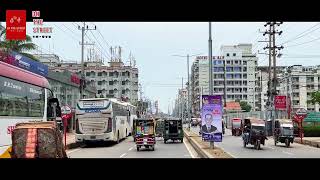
245,106
19,46
315,98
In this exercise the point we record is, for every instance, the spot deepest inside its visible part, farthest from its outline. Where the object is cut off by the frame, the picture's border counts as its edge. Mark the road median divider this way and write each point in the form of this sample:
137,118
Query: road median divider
203,148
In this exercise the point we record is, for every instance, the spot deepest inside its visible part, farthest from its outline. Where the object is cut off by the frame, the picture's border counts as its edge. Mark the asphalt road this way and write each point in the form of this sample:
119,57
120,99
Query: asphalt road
127,149
234,146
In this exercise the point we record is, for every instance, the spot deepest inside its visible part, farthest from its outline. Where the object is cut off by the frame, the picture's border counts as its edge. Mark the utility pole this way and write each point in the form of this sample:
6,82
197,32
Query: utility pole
272,83
182,101
83,31
210,62
188,89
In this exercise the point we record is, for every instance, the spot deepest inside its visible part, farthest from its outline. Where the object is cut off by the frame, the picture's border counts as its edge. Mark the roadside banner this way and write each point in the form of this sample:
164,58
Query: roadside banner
211,118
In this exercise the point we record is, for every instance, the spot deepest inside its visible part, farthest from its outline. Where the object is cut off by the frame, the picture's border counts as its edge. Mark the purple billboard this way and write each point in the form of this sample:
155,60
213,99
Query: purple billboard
211,117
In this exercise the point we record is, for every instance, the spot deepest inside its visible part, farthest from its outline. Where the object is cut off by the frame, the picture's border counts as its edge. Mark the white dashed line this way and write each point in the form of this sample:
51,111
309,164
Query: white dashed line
287,153
187,146
130,148
123,155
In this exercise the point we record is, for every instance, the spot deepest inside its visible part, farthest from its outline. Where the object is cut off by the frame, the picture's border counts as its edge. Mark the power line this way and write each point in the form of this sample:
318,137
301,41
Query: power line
103,37
301,34
304,42
100,45
66,32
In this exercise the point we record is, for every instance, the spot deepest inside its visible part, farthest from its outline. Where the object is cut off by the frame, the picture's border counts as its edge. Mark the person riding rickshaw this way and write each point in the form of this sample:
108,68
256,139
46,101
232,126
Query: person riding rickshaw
145,133
283,131
254,132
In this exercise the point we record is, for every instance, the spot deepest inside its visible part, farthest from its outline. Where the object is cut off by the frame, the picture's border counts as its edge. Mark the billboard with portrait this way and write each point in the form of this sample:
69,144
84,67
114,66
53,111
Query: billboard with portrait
211,117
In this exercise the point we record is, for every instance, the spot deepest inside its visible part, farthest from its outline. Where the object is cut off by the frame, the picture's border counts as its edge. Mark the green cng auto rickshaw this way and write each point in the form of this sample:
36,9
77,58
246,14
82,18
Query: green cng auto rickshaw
283,131
145,133
159,127
173,129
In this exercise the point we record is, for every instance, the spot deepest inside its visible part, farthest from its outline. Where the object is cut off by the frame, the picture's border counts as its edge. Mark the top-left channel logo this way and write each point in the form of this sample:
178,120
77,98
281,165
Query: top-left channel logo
16,24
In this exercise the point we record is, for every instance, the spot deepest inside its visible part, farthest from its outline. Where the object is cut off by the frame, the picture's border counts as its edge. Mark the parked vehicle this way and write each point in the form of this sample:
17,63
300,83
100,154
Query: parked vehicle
236,126
254,132
173,130
283,131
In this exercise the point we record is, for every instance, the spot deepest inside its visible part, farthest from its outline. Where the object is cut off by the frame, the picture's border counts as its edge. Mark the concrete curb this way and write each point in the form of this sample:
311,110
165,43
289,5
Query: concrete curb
308,142
197,147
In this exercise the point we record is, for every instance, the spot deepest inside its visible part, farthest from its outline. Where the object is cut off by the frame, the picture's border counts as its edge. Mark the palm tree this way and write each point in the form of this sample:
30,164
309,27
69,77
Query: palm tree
19,46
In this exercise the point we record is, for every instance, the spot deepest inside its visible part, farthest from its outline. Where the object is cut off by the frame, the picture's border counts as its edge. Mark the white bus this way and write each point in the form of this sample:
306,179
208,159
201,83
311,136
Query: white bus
102,119
24,96
132,115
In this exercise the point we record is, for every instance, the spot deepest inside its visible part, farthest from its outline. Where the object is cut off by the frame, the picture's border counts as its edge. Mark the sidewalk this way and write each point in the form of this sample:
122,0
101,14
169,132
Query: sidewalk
203,148
311,141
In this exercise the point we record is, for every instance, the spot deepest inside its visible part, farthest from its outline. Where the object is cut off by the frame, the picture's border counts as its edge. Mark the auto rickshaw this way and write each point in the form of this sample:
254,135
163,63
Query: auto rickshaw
173,129
159,128
236,126
254,132
283,131
145,133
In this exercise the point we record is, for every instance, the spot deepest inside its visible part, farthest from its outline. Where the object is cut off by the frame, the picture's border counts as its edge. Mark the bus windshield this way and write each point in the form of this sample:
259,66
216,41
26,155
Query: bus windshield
21,99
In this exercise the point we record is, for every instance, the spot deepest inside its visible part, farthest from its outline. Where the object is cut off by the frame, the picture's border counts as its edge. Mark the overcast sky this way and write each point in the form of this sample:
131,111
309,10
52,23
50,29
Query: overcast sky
153,45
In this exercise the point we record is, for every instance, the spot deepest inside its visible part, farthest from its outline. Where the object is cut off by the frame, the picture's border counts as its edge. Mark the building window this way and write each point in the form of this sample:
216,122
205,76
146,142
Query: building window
244,76
237,76
99,91
228,54
123,73
234,54
229,69
123,82
99,82
228,62
123,91
136,75
110,82
110,91
99,73
237,69
244,62
87,73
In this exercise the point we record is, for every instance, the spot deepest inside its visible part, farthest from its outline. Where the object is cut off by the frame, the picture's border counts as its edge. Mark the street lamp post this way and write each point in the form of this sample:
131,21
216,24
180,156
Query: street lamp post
189,89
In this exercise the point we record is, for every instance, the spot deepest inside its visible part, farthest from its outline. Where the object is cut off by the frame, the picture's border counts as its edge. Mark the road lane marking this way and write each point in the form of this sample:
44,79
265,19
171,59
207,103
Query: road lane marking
287,153
123,155
130,148
188,148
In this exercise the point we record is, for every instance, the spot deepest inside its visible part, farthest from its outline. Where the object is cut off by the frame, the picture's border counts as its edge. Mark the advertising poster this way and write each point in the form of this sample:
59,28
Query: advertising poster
280,102
211,117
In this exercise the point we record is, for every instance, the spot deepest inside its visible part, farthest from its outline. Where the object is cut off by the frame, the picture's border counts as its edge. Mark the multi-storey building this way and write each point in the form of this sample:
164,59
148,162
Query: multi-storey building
238,62
116,80
298,82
